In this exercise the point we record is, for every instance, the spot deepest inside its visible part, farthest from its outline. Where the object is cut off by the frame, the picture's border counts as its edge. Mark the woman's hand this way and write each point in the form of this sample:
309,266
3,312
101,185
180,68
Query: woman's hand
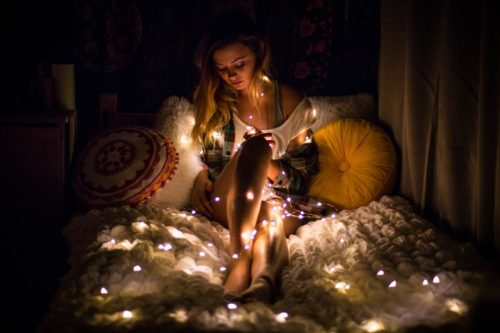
200,194
255,132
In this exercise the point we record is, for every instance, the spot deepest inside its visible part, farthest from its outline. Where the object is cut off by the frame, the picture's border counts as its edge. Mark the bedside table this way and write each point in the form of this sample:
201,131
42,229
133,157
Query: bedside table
35,154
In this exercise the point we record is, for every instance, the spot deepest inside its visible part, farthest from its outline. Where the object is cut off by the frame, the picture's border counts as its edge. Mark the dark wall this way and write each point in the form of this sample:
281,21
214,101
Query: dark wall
142,50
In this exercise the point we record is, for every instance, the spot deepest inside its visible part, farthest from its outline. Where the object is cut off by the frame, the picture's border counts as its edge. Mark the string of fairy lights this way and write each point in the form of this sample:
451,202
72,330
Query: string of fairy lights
371,325
282,208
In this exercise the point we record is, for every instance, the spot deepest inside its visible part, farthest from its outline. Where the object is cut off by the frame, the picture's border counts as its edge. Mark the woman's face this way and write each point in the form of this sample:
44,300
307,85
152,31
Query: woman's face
235,64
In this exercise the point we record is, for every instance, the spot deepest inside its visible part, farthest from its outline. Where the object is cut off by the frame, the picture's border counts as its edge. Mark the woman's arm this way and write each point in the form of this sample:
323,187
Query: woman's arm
200,193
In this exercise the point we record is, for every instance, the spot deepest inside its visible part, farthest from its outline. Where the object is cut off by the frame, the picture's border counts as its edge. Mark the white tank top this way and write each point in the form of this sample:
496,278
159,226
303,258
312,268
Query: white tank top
301,118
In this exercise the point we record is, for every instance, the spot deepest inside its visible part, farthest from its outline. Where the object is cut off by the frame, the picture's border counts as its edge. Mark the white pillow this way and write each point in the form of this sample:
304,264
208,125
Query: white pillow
331,108
175,120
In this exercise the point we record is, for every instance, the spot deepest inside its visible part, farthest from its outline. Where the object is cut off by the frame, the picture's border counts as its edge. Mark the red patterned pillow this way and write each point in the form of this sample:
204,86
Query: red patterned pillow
124,166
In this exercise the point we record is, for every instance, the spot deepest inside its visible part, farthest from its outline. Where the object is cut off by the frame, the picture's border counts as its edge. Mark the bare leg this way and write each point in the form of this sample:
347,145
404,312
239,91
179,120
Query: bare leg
242,185
269,253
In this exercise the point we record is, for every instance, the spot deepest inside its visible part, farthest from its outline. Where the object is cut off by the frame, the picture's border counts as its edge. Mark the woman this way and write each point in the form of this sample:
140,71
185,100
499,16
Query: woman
253,131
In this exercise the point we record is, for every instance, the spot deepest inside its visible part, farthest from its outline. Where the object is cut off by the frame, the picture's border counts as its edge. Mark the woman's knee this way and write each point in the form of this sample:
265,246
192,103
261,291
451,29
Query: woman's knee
255,149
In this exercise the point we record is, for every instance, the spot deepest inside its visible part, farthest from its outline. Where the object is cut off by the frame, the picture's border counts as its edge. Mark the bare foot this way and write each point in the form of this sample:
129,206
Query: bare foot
238,277
262,290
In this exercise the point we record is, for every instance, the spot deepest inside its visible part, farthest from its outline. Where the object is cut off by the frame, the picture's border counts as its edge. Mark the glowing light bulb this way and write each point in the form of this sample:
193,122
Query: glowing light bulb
436,280
193,212
232,306
455,305
137,268
184,140
104,291
319,204
249,195
380,273
250,117
210,244
392,284
247,247
235,256
202,253
217,199
333,216
281,317
222,269
165,247
425,282
373,325
127,314
340,285
113,241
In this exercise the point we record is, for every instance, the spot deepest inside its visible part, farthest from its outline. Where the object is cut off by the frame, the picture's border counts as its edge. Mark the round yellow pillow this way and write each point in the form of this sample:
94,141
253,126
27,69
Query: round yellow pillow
357,163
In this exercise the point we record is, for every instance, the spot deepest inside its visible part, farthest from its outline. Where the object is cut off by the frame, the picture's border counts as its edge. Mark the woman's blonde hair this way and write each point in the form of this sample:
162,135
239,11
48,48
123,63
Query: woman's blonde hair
213,99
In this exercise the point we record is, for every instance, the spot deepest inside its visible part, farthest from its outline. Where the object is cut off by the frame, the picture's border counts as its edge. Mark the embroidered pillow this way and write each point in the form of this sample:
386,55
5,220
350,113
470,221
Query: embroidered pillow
124,165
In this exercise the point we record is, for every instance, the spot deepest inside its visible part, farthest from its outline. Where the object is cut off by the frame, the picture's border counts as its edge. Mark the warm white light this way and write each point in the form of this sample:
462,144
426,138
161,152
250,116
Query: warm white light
249,195
113,241
210,244
319,204
104,291
380,273
281,317
261,94
247,247
392,284
193,212
457,306
436,279
340,285
179,315
217,199
250,117
222,269
425,282
235,256
373,325
333,216
342,240
216,135
232,306
202,253
127,314
137,268
184,140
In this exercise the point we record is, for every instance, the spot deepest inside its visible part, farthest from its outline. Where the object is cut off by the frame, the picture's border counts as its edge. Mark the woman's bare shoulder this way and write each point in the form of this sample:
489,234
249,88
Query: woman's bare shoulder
290,98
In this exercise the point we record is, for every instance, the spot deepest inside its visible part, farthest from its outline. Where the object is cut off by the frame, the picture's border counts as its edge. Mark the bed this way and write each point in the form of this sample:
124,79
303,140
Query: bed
155,267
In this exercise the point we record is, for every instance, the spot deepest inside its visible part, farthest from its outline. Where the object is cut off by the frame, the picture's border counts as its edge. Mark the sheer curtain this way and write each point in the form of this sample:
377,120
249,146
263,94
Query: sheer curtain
439,94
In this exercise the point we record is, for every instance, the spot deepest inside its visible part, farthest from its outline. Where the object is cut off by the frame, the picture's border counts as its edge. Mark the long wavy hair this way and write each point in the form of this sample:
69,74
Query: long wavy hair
214,99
